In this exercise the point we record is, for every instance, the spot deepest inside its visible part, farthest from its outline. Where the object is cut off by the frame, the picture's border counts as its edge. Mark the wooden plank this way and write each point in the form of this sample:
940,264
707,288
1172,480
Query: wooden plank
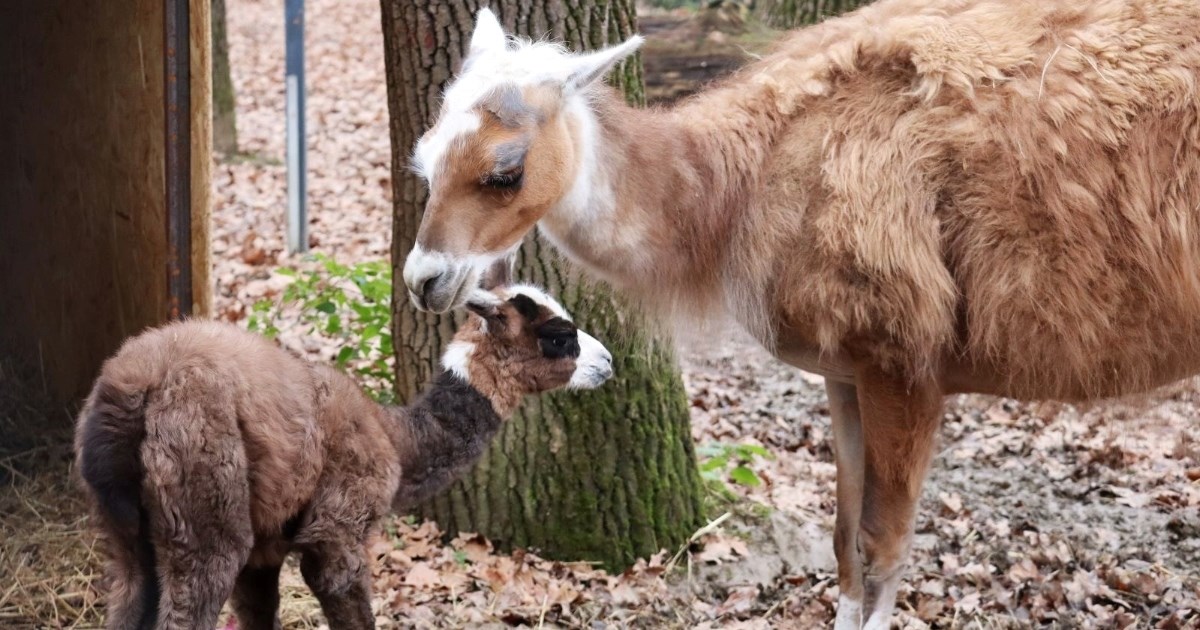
82,213
202,151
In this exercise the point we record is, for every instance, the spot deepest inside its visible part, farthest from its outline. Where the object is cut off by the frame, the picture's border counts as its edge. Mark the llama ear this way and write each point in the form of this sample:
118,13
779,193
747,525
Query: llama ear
498,275
589,68
488,36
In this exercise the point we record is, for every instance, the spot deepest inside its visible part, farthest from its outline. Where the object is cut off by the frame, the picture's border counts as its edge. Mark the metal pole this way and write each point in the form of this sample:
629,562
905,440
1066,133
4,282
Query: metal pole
297,216
178,138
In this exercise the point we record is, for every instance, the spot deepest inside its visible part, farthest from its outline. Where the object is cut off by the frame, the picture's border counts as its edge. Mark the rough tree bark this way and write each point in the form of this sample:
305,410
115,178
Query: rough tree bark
224,114
608,475
794,13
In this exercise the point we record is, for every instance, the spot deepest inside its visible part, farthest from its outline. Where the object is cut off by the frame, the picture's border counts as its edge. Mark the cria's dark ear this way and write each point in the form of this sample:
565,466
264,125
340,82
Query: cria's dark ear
484,304
525,306
498,275
557,327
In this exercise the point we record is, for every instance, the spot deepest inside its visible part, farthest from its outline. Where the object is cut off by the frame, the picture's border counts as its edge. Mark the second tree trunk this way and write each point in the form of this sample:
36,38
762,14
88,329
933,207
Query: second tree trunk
608,475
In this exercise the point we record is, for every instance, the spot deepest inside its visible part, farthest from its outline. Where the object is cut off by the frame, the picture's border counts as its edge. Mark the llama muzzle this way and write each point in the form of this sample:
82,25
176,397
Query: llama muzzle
438,282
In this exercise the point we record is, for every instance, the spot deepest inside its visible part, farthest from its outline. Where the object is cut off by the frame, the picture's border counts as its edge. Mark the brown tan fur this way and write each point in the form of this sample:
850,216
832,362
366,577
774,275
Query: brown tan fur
462,201
920,198
949,196
211,454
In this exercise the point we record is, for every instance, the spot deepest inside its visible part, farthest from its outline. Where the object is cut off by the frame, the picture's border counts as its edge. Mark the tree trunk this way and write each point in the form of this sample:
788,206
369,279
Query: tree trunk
795,13
608,475
224,114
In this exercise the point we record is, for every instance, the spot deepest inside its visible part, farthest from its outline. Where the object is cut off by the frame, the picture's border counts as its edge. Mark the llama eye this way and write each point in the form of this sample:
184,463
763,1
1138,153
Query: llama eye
503,181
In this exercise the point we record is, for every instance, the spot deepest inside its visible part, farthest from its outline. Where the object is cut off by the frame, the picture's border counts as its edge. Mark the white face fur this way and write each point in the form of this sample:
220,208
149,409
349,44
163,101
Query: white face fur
495,60
592,367
440,274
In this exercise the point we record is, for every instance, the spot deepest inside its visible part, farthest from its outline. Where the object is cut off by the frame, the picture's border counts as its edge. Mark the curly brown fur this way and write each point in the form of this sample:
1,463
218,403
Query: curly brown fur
211,454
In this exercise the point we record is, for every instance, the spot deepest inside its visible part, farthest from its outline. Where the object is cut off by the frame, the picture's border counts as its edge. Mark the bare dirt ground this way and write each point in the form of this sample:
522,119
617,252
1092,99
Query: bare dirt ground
1035,515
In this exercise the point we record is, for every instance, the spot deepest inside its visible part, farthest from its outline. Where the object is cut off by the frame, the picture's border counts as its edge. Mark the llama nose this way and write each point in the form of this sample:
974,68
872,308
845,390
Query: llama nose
427,277
428,286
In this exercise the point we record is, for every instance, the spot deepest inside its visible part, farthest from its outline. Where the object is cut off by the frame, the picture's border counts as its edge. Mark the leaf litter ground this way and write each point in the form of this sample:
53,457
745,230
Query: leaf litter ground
1035,515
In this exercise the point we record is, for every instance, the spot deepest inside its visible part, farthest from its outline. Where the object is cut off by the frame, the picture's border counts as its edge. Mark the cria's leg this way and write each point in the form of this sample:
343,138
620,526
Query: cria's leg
131,598
199,561
122,604
198,567
198,502
848,452
899,424
256,598
339,576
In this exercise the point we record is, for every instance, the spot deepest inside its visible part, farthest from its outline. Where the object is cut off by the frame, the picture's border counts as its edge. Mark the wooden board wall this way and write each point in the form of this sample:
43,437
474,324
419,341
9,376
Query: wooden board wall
202,155
82,224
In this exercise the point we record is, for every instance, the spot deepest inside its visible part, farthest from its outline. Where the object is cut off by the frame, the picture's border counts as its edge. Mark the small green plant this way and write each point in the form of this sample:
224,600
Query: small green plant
351,304
730,462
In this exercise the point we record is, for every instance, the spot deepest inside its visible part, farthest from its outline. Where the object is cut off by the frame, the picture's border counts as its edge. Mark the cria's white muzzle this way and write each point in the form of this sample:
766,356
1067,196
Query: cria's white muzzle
594,365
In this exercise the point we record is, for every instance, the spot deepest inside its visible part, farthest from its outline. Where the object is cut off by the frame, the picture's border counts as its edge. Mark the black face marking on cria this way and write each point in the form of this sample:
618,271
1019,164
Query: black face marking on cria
558,338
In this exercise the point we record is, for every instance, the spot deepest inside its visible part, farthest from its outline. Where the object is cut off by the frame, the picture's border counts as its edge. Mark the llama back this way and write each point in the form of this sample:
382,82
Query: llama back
1025,184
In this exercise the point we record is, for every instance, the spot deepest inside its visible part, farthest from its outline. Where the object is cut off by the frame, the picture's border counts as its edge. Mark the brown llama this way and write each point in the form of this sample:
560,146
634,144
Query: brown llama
920,198
211,454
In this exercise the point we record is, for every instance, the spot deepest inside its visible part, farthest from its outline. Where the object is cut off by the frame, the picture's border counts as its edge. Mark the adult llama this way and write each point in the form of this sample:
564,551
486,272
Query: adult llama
920,198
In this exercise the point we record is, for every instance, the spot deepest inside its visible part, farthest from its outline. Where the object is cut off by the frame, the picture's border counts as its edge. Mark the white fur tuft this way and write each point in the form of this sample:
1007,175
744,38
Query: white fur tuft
495,60
457,359
538,295
592,67
428,153
488,37
594,365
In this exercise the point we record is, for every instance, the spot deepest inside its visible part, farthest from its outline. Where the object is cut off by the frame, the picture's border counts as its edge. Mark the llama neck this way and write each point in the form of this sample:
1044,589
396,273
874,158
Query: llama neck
659,194
439,435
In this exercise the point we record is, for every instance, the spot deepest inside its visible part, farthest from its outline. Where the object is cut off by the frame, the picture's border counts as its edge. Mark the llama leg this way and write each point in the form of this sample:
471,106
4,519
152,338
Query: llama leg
339,576
848,452
256,598
899,425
